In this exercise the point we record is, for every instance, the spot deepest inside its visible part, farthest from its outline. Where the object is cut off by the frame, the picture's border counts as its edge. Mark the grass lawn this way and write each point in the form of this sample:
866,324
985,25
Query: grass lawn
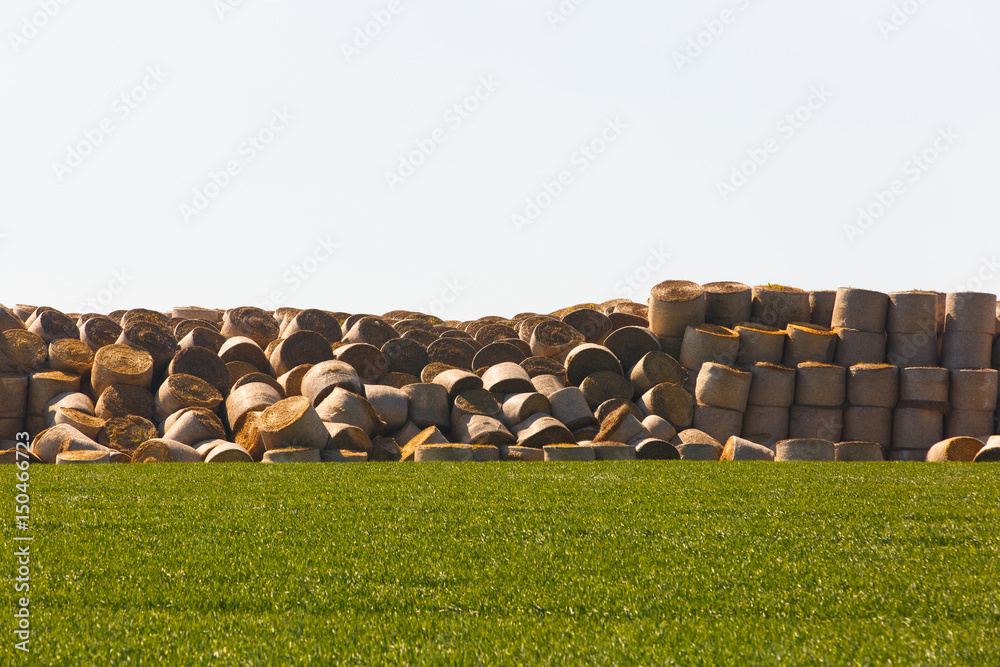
585,563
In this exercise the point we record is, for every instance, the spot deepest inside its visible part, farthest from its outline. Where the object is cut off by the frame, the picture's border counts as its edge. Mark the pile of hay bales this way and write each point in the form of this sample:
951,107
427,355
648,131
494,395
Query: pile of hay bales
719,372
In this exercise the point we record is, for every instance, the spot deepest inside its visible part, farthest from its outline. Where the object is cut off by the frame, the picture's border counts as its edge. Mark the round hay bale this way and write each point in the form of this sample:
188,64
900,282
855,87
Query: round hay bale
912,312
669,401
589,358
153,451
655,368
539,430
973,423
498,352
740,449
569,406
759,343
722,387
455,352
120,400
654,449
593,324
821,305
547,384
70,399
184,391
991,452
43,386
291,381
346,407
21,351
873,384
405,356
49,324
859,347
604,386
966,349
612,451
249,322
973,312
916,428
926,387
202,337
805,449
292,455
481,430
554,338
372,331
429,436
771,385
814,422
903,349
518,407
320,321
398,380
242,348
809,342
522,454
13,396
658,427
492,332
630,344
778,305
852,451
954,449
227,452
84,456
126,433
428,405
727,303
423,338
610,405
239,370
568,452
202,363
860,309
155,339
301,347
347,437
820,385
292,422
620,426
868,424
248,436
71,356
449,452
83,422
720,423
320,380
121,364
674,305
390,404
535,366
457,381
99,331
697,445
507,378
193,426
708,342
367,360
973,389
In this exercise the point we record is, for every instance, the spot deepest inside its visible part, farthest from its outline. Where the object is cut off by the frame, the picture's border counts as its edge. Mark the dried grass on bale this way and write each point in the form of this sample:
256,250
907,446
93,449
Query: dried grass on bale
292,422
346,436
671,402
251,322
553,338
491,333
157,340
71,356
674,305
192,426
620,426
612,451
99,331
121,364
83,456
204,364
772,385
21,351
507,378
518,407
248,436
481,430
778,305
475,402
496,353
346,407
708,342
301,347
593,324
740,449
727,303
239,369
85,423
458,381
589,358
342,456
759,343
809,342
429,436
120,400
50,324
43,386
604,386
697,445
805,449
320,321
405,356
370,330
954,449
990,453
292,455
926,387
655,368
570,407
291,381
541,429
547,384
125,434
185,391
391,405
323,378
13,395
227,452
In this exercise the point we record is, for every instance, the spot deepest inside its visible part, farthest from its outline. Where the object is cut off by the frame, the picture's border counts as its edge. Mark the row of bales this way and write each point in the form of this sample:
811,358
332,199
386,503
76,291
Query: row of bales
720,371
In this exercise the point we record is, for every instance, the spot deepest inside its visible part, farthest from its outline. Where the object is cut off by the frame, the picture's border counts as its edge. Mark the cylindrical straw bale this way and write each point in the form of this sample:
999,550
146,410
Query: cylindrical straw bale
539,430
860,309
507,378
13,396
740,449
765,425
292,422
428,405
854,450
806,421
777,305
868,424
962,449
966,349
974,312
99,331
84,422
655,368
696,445
821,303
872,385
346,436
630,344
587,359
70,355
570,407
916,428
926,387
547,384
458,381
974,423
593,324
709,342
300,347
125,434
772,385
669,401
912,313
450,452
518,407
202,363
226,452
727,303
43,386
121,364
292,455
605,385
674,305
859,347
320,380
346,407
554,338
722,387
242,348
973,389
620,426
720,423
659,428
185,391
50,325
805,449
809,342
482,430
120,400
655,449
367,360
291,381
568,452
916,349
250,322
759,343
820,385
390,404
194,426
252,397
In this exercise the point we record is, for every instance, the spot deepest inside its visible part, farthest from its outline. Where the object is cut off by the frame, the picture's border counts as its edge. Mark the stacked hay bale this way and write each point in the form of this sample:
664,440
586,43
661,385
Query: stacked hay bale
912,329
721,393
772,393
859,319
872,393
820,394
675,305
918,420
969,328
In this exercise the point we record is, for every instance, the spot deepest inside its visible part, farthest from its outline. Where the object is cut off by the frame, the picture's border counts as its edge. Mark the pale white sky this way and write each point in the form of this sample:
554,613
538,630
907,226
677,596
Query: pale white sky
116,116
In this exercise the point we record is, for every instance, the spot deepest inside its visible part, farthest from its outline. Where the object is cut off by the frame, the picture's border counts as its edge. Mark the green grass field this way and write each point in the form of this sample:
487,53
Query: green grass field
606,563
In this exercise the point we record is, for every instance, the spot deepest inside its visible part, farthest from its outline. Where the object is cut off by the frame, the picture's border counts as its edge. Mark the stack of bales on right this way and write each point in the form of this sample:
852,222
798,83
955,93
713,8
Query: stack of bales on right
904,370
